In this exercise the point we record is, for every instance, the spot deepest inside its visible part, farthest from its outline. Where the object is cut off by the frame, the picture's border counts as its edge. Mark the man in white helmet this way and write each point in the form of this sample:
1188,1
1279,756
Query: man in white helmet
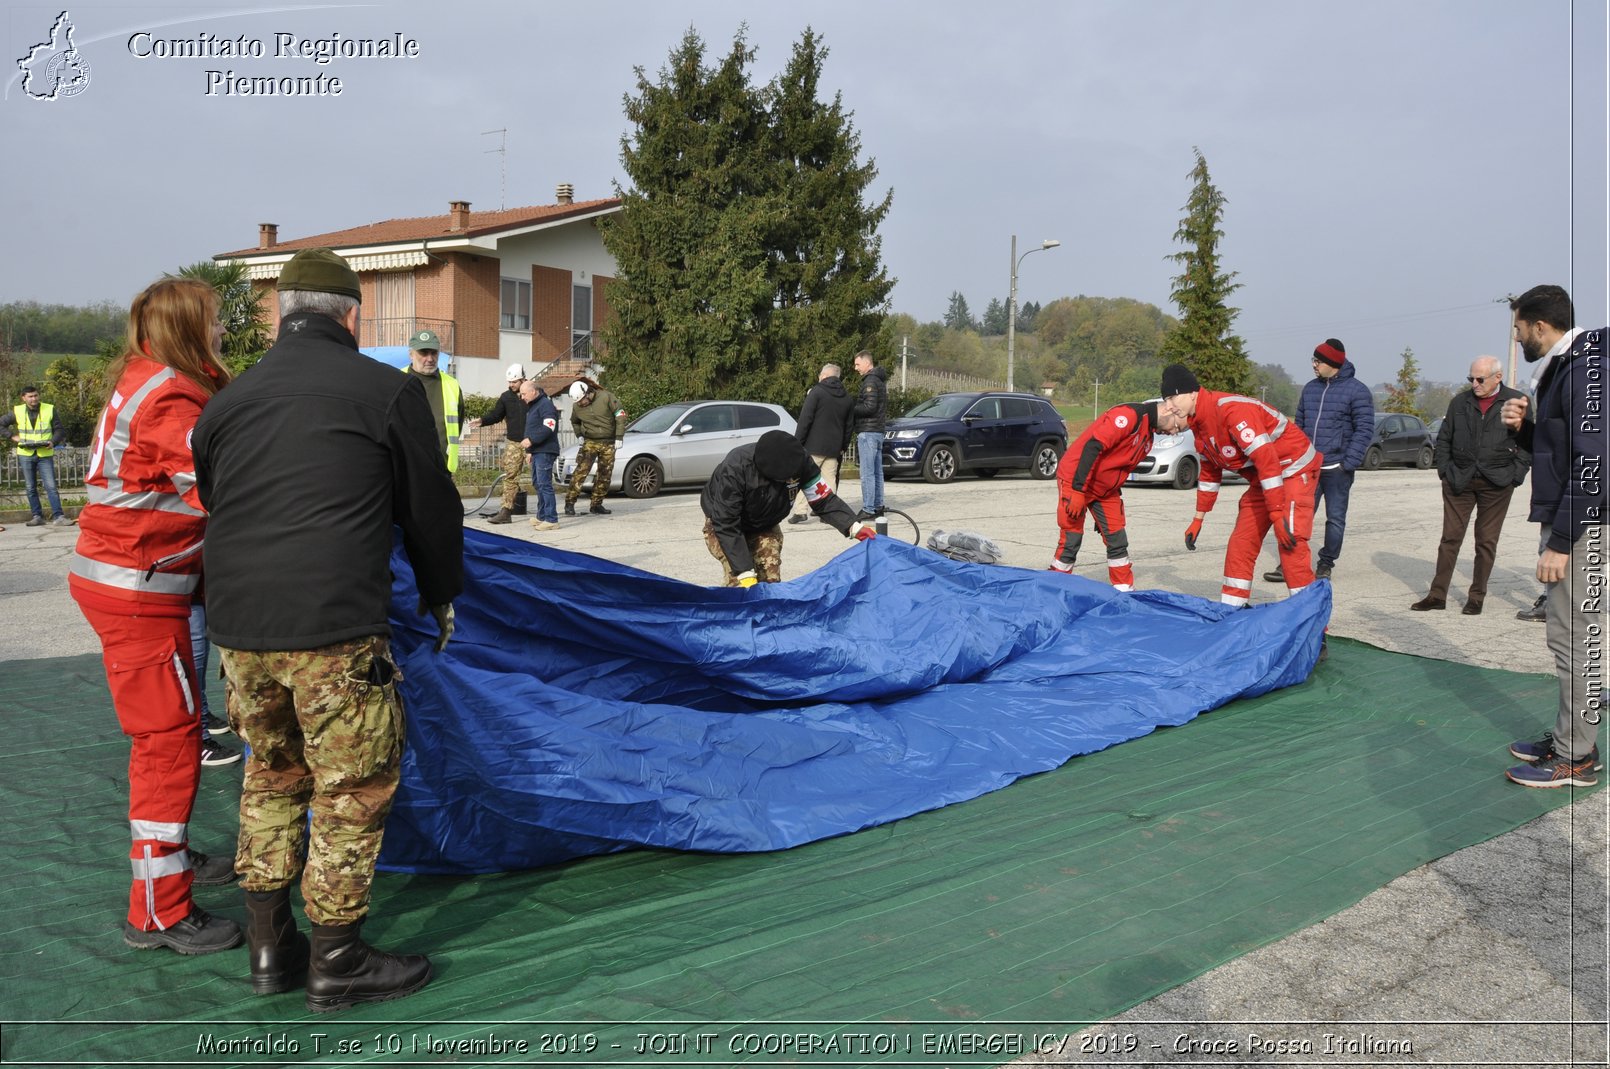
510,411
598,420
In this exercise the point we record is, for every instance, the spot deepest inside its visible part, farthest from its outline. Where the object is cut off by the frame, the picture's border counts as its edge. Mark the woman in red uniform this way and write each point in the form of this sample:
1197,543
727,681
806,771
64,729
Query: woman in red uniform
136,569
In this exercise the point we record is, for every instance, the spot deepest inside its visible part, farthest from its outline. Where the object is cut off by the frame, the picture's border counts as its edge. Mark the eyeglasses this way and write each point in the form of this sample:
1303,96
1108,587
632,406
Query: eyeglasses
1479,379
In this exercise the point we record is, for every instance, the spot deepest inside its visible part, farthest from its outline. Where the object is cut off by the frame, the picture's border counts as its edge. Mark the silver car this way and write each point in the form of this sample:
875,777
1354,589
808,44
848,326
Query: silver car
681,444
1173,461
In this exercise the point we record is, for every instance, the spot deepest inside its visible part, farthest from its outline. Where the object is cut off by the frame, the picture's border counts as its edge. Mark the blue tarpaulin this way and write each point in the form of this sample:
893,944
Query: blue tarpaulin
584,706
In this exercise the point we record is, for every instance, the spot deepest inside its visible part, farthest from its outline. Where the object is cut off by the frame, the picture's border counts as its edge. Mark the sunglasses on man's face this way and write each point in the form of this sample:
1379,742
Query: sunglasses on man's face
1479,379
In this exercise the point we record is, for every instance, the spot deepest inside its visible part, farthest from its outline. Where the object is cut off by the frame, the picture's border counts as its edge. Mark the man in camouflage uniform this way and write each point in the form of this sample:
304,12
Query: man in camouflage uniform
304,465
749,494
598,420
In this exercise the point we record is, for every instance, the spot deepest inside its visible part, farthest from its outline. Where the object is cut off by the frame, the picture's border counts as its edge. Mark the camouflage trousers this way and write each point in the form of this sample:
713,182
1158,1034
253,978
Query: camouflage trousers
511,462
325,728
604,453
765,546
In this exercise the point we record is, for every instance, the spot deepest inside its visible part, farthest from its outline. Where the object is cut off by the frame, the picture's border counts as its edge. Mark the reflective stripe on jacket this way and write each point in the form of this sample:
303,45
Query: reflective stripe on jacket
140,535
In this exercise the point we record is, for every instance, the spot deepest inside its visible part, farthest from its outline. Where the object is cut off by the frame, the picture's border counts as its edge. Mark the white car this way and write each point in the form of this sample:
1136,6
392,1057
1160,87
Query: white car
1173,461
680,444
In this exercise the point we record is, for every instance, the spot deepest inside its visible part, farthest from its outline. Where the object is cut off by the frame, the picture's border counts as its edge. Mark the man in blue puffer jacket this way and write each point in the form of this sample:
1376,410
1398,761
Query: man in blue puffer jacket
1337,413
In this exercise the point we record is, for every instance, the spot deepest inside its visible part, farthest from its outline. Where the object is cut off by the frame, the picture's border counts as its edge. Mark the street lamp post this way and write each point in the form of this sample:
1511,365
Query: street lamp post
1011,304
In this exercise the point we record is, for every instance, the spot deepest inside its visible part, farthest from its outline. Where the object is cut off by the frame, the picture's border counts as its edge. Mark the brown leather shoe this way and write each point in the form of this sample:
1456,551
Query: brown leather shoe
1472,608
1428,602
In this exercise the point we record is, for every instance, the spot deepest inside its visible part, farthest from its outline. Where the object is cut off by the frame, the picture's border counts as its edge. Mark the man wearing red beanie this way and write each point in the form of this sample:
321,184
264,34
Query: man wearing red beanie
1337,413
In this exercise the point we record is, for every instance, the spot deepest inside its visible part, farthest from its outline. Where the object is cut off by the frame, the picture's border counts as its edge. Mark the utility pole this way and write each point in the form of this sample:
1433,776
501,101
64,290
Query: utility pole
905,344
1095,410
503,164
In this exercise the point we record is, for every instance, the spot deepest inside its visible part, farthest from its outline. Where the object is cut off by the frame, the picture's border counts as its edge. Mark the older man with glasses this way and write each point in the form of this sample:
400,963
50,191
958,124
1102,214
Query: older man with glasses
1480,462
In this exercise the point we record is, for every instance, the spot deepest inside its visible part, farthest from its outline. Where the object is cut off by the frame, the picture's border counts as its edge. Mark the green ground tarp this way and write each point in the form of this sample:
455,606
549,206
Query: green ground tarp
1062,899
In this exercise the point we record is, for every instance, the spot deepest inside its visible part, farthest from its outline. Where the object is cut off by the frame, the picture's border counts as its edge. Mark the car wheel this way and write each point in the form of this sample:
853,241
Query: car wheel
1185,474
642,477
939,466
986,473
1046,456
1427,455
1372,459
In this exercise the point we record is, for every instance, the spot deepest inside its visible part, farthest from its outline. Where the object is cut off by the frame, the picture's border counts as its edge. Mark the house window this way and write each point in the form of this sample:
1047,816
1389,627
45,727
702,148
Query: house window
515,304
581,321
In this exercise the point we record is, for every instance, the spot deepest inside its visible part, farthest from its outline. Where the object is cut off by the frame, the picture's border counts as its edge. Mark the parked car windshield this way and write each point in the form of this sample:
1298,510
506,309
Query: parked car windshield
657,420
945,406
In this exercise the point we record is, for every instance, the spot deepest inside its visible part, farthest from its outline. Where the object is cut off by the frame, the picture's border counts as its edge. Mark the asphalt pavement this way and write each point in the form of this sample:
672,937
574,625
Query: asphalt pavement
1496,954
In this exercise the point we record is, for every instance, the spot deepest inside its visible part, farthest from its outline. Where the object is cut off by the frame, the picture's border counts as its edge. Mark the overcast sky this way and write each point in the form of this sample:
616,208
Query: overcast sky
1391,168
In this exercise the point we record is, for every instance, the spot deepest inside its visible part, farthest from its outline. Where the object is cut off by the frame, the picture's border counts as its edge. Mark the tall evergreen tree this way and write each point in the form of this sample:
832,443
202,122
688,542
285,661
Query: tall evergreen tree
957,316
1203,340
830,289
995,317
747,254
1403,395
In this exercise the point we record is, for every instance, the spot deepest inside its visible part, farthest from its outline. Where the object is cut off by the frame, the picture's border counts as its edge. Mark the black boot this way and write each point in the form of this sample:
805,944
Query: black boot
345,971
503,516
278,950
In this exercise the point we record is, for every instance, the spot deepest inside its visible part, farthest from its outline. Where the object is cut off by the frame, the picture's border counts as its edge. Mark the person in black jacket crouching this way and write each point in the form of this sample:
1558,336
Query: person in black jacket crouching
1480,462
747,497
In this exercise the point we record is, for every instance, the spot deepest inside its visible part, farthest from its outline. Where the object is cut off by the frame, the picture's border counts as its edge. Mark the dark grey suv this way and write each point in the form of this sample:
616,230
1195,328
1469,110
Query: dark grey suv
981,433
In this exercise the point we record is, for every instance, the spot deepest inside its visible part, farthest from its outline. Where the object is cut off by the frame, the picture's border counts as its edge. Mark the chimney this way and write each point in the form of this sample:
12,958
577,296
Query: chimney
268,235
458,215
566,193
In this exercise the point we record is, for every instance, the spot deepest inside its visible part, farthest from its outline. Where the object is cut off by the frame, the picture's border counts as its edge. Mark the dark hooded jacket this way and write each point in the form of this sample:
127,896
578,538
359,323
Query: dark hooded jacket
741,500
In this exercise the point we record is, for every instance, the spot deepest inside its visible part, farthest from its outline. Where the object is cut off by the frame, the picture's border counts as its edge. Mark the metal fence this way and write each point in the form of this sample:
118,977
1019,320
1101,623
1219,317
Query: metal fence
72,464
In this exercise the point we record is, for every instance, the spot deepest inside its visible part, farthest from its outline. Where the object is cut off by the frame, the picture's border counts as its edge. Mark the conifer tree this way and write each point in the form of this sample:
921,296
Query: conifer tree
958,316
1403,395
1203,340
747,255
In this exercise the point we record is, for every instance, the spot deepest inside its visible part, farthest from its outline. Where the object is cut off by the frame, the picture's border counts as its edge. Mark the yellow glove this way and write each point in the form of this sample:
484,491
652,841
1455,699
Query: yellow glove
747,579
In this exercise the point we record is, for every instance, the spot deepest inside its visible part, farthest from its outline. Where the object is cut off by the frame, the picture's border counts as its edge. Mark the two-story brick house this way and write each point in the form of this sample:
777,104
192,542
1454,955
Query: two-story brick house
521,284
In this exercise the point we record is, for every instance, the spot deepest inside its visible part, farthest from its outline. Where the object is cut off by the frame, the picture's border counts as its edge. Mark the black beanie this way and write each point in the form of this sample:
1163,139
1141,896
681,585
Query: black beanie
1332,352
780,457
1177,378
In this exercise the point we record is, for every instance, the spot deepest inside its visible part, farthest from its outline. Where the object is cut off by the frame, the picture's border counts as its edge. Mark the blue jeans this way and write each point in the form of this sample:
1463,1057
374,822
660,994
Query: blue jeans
1333,488
200,654
46,469
869,455
542,483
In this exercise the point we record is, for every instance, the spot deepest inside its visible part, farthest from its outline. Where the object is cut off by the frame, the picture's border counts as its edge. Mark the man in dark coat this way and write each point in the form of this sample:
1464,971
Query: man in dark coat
824,430
308,464
1337,413
1480,462
1567,442
541,440
747,497
871,416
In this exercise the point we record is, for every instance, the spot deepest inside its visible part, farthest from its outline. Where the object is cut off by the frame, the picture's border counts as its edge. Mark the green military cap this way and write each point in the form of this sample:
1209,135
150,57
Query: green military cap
321,271
425,339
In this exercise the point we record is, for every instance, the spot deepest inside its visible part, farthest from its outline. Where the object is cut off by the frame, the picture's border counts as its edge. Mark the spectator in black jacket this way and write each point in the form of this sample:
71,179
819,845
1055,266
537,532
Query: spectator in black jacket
306,465
1480,462
747,497
871,416
508,410
1567,441
824,430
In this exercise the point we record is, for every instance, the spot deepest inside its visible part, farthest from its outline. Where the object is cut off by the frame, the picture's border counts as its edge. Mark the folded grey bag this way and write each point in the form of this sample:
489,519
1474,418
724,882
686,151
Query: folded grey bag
965,545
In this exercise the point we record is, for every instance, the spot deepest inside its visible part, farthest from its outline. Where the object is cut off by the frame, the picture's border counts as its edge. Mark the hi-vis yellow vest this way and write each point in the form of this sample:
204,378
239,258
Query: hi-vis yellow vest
451,394
34,441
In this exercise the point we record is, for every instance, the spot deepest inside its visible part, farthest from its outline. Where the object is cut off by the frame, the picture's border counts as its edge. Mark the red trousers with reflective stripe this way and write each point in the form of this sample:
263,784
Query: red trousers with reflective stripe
154,694
1252,524
1108,512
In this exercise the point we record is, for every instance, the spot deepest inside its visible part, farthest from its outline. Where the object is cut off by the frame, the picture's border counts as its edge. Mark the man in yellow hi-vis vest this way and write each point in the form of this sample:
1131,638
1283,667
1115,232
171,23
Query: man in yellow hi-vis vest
442,389
32,425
